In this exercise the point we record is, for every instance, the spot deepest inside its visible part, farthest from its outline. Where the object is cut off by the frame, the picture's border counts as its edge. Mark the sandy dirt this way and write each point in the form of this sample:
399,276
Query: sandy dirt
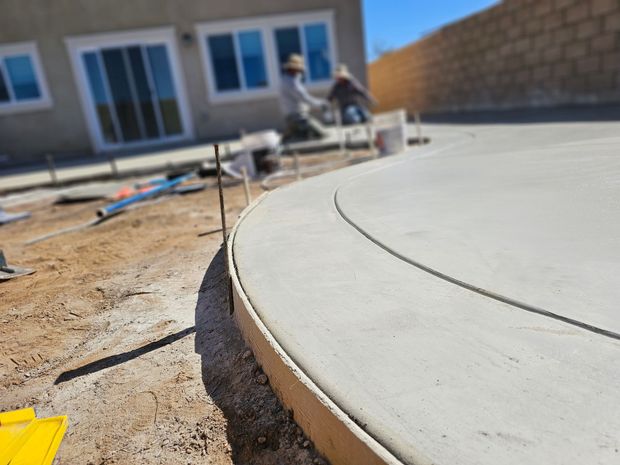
124,327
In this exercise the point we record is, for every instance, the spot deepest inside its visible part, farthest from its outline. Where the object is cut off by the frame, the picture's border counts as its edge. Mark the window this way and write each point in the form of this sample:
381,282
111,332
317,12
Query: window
288,42
310,41
131,87
238,61
243,59
317,52
141,101
21,80
252,57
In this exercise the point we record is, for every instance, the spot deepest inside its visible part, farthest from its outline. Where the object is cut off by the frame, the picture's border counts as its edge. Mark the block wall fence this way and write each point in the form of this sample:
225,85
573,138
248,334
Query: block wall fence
516,54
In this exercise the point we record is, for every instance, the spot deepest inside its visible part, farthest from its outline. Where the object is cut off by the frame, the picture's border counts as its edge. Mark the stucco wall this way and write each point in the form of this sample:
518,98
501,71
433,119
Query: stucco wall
519,53
62,129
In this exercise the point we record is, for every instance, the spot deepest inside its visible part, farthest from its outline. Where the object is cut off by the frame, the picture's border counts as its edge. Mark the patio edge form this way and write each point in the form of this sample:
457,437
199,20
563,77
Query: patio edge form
333,433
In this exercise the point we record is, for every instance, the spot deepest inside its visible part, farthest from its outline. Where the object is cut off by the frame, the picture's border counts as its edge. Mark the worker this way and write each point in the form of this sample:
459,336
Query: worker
350,97
296,102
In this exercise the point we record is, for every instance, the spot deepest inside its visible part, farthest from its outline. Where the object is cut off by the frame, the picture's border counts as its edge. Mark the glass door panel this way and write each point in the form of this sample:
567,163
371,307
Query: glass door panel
122,96
144,92
100,97
133,93
165,90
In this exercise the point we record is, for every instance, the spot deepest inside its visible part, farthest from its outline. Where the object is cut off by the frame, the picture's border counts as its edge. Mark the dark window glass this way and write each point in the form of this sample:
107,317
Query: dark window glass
223,62
164,87
121,93
100,97
4,92
143,92
22,77
318,62
287,43
252,57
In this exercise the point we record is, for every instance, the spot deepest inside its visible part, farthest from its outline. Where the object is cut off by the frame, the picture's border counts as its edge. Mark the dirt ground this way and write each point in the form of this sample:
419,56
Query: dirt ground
121,329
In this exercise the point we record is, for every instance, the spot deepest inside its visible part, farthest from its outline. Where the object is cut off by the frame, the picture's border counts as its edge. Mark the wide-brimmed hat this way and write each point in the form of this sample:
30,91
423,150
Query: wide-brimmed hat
342,72
295,62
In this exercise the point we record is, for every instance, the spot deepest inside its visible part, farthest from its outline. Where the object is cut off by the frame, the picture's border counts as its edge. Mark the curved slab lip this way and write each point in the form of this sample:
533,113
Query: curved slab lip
379,454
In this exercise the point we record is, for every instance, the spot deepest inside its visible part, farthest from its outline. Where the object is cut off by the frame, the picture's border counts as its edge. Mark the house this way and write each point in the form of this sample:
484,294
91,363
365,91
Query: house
92,77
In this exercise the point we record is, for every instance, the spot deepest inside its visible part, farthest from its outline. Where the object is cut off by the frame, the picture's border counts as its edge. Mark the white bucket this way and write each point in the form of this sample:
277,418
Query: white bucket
391,132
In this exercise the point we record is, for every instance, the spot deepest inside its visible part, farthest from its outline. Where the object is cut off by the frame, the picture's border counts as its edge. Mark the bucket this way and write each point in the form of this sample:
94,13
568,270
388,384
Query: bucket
391,132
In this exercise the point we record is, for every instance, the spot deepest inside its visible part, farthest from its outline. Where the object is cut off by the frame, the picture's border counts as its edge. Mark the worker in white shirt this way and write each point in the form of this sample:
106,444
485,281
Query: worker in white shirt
296,102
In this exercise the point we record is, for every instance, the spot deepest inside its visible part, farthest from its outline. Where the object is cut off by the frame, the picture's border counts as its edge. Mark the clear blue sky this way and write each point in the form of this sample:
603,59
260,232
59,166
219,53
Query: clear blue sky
394,23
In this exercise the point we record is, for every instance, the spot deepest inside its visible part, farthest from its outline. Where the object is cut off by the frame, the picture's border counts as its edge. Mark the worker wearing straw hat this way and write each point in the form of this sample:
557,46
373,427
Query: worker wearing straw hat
351,98
296,102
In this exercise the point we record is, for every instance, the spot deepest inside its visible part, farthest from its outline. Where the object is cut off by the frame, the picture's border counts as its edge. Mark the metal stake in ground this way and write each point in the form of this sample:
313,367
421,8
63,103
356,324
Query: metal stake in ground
224,232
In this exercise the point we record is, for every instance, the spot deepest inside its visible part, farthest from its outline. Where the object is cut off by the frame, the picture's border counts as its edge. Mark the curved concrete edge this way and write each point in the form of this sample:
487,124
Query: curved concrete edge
334,434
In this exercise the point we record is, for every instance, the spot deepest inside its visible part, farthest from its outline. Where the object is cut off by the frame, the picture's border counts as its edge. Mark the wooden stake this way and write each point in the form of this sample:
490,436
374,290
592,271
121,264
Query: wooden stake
339,128
246,185
113,167
52,168
296,165
418,127
370,133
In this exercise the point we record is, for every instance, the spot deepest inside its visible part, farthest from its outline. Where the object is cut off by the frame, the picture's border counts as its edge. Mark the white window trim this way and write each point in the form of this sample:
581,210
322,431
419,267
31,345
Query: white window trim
76,46
20,106
265,25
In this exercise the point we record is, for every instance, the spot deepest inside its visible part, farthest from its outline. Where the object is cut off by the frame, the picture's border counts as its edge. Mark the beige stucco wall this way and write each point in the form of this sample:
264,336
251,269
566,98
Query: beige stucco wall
62,129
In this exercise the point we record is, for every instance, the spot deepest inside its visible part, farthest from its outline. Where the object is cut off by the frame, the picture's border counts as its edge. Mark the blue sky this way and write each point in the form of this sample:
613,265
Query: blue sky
394,23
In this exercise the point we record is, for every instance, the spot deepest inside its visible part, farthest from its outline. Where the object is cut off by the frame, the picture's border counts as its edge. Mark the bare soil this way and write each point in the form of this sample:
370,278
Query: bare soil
121,329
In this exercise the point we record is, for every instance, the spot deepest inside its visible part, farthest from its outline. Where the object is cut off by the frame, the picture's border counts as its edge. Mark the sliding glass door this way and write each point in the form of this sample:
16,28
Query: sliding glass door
133,92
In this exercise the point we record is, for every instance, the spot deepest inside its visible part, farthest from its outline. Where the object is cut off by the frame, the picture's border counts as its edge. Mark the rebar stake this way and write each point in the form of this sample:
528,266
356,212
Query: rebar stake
231,306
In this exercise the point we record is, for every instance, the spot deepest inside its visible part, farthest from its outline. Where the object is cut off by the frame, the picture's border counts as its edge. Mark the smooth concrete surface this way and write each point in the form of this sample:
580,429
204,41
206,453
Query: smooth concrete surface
457,301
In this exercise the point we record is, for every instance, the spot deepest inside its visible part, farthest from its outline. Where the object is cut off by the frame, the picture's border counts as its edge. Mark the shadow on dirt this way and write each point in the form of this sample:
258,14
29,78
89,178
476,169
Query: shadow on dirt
260,431
118,359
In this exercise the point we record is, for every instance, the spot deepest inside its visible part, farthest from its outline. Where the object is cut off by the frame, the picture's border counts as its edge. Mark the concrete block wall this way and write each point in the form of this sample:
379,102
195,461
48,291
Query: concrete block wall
516,54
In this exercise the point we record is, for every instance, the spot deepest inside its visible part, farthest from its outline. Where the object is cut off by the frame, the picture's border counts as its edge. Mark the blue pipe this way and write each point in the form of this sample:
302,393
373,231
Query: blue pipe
117,207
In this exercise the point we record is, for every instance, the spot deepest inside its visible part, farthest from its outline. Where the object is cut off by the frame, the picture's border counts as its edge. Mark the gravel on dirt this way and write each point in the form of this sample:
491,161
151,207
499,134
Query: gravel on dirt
121,329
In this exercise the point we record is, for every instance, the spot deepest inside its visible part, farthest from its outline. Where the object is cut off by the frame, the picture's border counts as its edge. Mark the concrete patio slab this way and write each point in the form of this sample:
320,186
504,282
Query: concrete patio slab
454,304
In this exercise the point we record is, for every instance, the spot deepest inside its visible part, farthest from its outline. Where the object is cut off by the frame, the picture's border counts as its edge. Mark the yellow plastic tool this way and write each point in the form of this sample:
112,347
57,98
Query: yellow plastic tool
28,440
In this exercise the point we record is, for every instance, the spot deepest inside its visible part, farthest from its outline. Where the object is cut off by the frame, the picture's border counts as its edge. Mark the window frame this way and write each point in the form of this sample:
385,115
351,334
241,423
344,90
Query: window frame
166,36
44,101
266,26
